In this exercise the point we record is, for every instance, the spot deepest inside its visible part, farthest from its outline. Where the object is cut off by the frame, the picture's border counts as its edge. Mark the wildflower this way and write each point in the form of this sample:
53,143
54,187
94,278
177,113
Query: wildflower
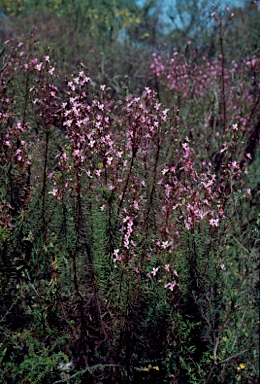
241,366
148,90
167,267
154,271
91,143
38,67
224,147
53,192
170,285
71,86
214,222
164,117
98,172
164,171
119,154
136,205
109,160
117,256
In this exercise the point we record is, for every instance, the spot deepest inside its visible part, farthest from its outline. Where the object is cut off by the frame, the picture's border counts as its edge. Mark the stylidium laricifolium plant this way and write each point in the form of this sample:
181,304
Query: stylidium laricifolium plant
128,227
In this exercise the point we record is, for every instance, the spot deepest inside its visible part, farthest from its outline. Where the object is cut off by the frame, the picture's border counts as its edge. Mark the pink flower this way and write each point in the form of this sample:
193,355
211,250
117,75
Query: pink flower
224,148
165,244
164,171
53,192
136,205
170,285
98,172
214,222
117,256
154,271
38,67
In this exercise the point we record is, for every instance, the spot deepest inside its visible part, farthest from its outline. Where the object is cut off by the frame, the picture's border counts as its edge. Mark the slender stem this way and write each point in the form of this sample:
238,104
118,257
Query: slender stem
223,90
126,183
150,203
44,186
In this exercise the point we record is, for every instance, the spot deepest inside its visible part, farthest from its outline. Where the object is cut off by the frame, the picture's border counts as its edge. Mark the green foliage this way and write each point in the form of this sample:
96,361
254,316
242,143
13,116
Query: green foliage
26,359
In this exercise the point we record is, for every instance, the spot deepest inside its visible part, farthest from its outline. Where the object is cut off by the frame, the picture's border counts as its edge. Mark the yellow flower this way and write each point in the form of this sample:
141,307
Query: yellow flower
241,366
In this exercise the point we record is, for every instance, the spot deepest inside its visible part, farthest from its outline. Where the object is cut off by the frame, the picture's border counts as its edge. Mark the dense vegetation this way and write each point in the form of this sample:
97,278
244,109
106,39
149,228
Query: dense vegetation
129,192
